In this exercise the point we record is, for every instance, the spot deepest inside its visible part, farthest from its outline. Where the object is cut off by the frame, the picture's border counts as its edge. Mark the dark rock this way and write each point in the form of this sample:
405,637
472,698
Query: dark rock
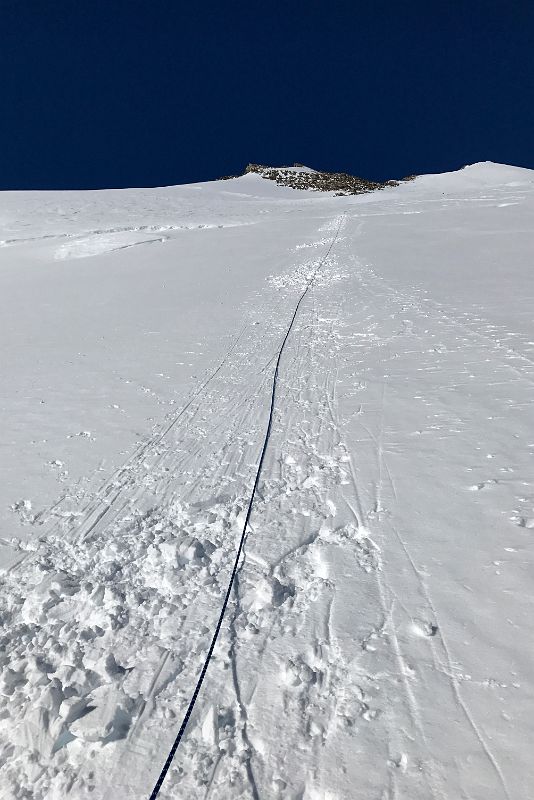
339,182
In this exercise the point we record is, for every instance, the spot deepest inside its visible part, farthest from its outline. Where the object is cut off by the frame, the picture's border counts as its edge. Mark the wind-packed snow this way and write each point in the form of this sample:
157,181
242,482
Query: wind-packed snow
378,642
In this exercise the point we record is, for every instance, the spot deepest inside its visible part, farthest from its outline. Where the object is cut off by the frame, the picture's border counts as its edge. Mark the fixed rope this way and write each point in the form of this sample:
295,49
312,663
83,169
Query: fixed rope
267,436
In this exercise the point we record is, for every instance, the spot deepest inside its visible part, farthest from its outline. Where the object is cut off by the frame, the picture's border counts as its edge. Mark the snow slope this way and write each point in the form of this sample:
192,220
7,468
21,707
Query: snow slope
378,640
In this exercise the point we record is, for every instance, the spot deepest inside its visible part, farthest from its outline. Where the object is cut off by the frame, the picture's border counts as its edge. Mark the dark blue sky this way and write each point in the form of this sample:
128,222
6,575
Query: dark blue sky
126,93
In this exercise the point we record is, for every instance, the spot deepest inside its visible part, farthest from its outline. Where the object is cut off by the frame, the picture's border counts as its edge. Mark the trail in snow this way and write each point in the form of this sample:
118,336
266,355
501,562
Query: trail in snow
244,532
374,643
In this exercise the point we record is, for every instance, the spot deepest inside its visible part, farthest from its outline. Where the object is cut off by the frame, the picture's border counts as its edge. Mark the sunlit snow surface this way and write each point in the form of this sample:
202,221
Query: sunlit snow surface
378,643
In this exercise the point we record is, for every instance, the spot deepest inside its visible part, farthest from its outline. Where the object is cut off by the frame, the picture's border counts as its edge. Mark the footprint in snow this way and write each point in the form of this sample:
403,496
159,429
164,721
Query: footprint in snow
24,509
477,487
424,628
81,435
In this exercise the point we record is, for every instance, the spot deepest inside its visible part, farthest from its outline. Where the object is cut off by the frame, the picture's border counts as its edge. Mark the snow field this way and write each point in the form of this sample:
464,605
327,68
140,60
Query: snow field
376,643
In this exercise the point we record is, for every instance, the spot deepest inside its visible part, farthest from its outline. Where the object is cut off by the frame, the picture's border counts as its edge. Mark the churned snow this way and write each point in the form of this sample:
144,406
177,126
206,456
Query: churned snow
378,642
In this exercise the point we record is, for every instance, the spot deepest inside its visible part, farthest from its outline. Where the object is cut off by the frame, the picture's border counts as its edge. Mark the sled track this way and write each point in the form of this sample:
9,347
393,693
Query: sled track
265,444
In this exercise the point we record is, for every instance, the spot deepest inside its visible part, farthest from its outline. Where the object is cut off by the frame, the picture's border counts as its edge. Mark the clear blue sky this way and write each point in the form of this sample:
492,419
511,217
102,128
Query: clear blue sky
128,93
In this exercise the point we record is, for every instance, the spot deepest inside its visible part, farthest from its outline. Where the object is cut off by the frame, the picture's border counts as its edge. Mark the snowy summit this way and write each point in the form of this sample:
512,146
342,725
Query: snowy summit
275,445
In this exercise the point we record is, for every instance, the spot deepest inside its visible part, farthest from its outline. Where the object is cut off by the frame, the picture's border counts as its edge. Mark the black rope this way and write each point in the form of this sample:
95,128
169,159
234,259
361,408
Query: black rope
200,681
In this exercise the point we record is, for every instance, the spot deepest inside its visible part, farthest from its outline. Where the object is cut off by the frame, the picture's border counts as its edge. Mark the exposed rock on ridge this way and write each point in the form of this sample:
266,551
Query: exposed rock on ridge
300,177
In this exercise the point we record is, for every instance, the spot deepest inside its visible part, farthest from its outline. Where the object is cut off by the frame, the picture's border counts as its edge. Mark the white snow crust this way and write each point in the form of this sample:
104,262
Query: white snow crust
298,169
378,642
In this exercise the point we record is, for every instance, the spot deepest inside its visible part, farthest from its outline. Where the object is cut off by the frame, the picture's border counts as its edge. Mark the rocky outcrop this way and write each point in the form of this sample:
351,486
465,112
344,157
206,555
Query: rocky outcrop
300,177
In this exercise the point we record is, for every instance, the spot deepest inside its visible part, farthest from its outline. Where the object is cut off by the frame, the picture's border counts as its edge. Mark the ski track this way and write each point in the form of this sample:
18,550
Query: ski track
278,776
119,522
